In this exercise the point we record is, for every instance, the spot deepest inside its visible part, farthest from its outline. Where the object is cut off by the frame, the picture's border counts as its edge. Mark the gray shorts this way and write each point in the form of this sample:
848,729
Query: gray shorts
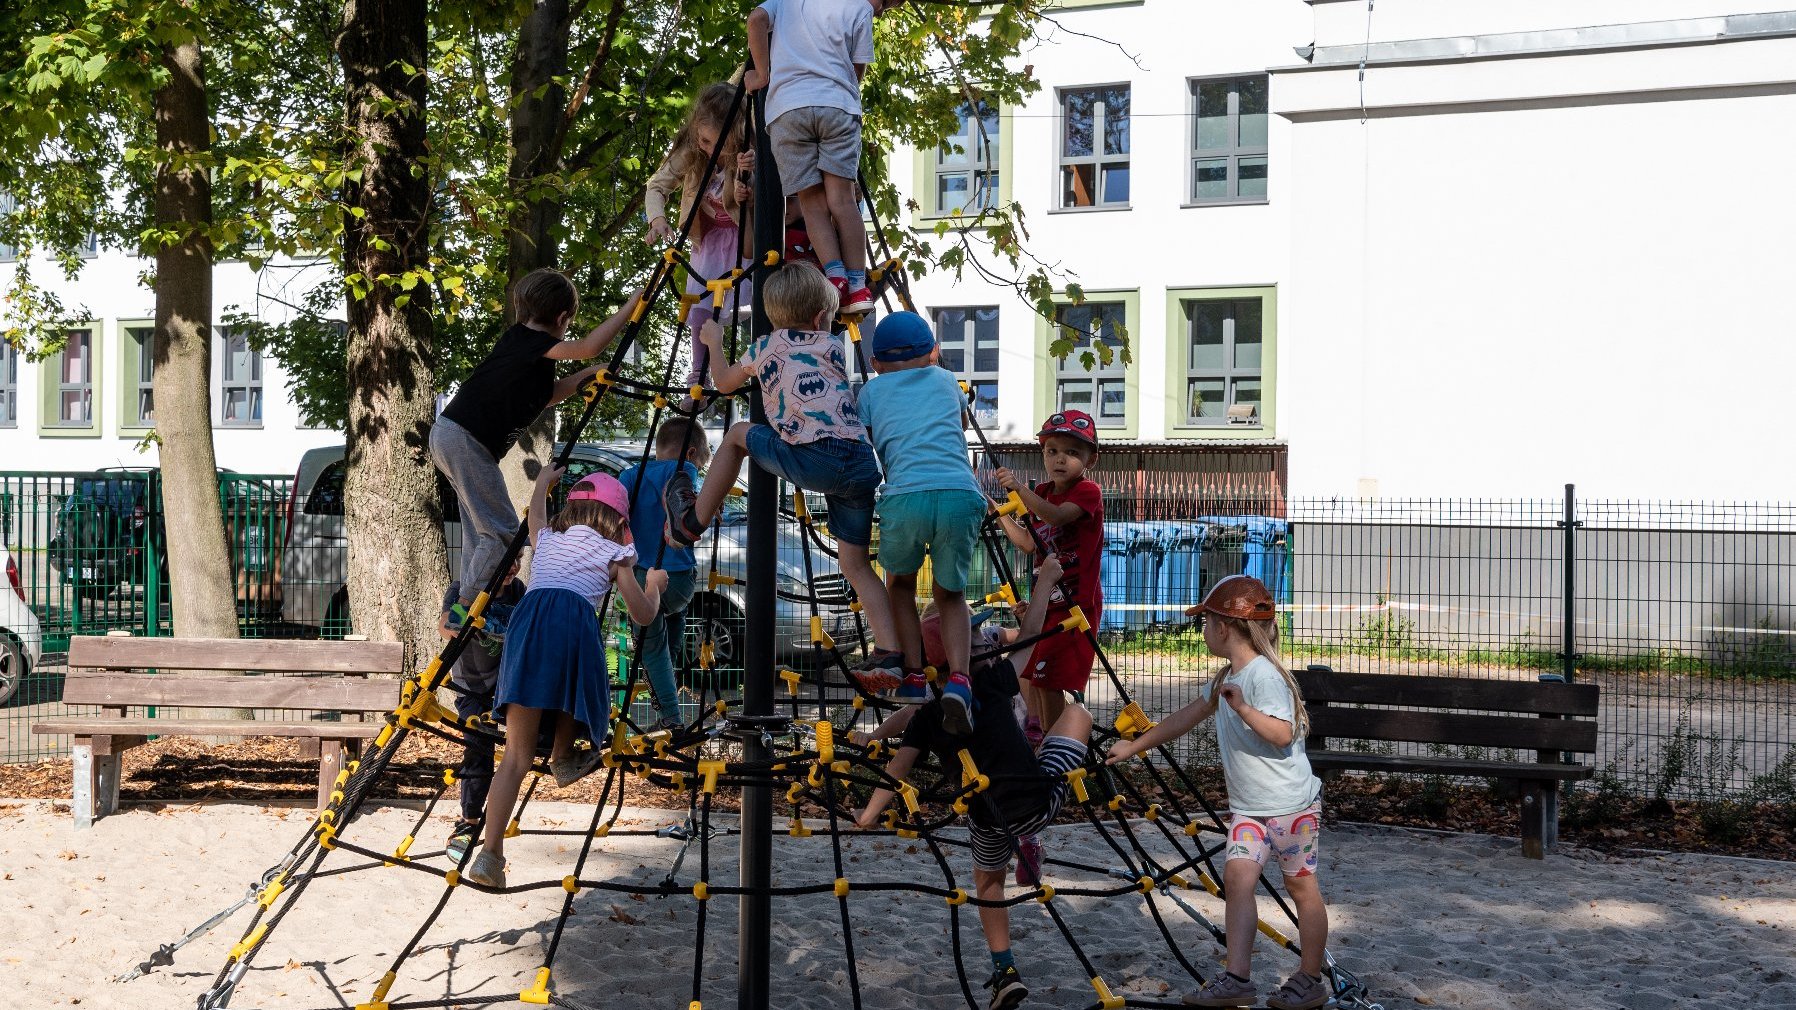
810,141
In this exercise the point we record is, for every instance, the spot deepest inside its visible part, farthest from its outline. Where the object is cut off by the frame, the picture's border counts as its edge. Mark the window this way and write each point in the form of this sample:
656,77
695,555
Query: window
1223,358
240,381
1228,140
1094,147
9,385
969,342
8,253
966,165
140,370
73,406
1102,390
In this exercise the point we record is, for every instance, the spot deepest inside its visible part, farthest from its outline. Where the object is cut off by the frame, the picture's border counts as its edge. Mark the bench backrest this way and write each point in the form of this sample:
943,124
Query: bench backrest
95,676
1527,715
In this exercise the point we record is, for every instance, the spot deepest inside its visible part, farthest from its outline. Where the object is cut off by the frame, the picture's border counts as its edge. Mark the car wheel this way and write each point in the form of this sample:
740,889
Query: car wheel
715,619
12,667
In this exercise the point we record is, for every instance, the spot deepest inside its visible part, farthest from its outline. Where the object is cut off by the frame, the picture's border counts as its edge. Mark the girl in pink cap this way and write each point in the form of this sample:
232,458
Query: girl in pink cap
554,659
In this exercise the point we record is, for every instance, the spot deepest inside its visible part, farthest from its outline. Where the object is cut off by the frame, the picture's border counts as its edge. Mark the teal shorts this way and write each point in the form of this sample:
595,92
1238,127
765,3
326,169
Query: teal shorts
942,524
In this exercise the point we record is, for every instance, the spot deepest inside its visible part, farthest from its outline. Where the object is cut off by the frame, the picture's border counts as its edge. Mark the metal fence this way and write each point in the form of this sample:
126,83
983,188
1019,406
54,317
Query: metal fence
1682,612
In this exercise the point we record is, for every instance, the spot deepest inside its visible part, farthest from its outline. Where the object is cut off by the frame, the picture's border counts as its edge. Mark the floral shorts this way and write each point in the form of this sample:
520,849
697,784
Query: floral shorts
1295,839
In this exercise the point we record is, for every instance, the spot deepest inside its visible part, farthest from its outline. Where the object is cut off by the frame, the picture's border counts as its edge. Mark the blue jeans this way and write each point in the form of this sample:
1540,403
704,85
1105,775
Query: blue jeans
664,634
844,472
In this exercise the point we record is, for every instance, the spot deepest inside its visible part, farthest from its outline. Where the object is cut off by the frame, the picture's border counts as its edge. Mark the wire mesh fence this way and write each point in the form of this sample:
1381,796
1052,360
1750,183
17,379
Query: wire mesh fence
1681,612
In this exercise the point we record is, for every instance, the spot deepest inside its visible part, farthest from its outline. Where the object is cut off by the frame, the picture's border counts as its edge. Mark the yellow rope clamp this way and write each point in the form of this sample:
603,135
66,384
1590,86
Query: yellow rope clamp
792,679
1076,779
1006,594
722,707
826,742
695,1005
932,675
570,884
379,1002
1209,884
959,897
327,834
797,828
841,887
601,831
660,402
876,749
1076,620
908,793
1116,803
855,605
1131,722
701,891
1147,884
965,387
1013,506
452,878
794,794
860,704
772,258
1153,812
722,286
405,846
854,331
272,891
714,579
512,830
670,255
449,775
818,635
707,657
1191,828
969,774
1107,999
249,942
1047,893
687,301
386,734
538,993
708,772
1274,935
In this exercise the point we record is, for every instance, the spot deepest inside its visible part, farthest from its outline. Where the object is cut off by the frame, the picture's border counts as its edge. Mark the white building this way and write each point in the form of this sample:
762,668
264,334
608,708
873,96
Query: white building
1479,274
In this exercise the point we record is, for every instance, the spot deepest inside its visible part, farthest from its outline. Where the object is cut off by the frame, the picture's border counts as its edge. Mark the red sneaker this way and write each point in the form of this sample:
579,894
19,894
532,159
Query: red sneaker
857,302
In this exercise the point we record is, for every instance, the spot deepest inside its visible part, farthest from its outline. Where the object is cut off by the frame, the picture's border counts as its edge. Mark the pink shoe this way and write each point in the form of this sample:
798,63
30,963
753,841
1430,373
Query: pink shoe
1028,861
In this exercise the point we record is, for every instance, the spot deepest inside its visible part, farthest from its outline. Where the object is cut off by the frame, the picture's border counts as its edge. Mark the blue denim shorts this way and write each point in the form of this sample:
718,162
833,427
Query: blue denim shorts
844,472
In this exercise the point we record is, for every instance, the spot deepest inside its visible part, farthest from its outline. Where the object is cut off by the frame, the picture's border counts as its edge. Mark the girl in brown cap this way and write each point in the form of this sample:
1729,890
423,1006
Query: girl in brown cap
1274,799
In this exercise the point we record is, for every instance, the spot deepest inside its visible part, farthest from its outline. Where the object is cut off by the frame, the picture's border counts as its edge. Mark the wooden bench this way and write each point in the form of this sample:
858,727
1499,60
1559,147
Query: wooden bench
1554,720
354,679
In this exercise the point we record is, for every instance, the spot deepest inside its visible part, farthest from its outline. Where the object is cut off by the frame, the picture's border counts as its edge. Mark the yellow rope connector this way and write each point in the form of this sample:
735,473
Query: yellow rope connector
379,999
841,887
826,742
538,993
714,579
570,884
249,942
272,891
1153,812
660,402
452,878
721,287
792,679
670,255
448,776
602,830
1274,935
1076,779
722,706
707,655
965,387
796,793
1013,506
1191,828
701,891
708,771
687,301
854,606
819,637
405,846
327,834
1006,593
797,828
959,897
854,331
1147,884
1131,722
1047,893
1075,620
1115,804
512,830
1106,999
970,775
860,704
772,258
1209,884
386,734
695,1005
876,749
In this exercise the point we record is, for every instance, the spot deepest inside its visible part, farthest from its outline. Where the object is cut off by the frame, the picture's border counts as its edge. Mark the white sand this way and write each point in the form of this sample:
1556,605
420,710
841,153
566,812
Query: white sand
1427,920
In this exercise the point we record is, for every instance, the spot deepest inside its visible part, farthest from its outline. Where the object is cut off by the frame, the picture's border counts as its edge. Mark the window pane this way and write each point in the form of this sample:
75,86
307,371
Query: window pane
1075,394
9,410
1116,120
1079,112
985,337
146,405
985,190
1109,320
1078,185
950,193
143,343
236,405
75,358
985,401
75,406
1253,111
1253,176
1112,400
1248,391
1207,399
1247,335
1208,320
1116,183
1212,99
255,406
1211,179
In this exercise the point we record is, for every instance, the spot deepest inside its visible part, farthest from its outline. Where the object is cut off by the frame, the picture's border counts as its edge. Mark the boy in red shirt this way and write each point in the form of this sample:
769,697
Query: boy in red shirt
1066,513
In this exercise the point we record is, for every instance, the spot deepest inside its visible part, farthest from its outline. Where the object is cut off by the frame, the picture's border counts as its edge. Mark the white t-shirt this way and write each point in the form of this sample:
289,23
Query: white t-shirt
1263,780
579,561
816,44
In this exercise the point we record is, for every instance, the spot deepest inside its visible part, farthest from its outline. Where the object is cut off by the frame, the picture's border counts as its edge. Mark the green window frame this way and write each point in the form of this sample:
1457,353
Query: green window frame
136,371
70,385
965,157
1208,334
1057,378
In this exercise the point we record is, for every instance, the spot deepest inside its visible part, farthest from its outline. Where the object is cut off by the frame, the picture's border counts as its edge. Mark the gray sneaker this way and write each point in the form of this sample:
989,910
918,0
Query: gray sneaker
570,770
1222,990
1302,991
487,868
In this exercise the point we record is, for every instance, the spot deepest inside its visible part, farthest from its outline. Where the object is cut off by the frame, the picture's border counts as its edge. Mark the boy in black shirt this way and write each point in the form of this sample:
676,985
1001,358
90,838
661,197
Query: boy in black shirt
504,395
1027,788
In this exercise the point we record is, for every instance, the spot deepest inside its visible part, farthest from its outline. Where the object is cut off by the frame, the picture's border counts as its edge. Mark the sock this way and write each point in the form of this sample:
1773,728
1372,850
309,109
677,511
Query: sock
834,268
1236,977
1002,959
857,279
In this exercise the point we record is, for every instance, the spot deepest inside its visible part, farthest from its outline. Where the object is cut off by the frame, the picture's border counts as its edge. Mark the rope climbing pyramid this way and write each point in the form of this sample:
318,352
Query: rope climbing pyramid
1163,835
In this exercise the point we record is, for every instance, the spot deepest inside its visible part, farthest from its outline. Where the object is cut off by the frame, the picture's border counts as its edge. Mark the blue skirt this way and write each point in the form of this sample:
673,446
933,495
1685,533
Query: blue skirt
554,659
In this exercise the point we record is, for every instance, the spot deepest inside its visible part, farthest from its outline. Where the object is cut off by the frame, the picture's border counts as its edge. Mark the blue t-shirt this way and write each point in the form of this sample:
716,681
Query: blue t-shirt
648,520
914,417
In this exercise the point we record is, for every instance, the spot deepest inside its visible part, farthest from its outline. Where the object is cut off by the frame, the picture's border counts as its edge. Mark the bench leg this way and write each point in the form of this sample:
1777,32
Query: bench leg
330,762
1540,818
96,782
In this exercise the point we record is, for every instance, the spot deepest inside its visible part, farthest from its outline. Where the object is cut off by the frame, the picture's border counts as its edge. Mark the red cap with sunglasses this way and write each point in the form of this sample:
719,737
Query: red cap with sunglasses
1072,423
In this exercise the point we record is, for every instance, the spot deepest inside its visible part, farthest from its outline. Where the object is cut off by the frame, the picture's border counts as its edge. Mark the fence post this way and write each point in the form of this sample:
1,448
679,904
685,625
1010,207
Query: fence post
1568,655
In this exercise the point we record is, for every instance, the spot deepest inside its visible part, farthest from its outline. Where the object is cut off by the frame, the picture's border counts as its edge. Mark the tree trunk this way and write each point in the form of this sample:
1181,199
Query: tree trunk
392,517
198,549
540,62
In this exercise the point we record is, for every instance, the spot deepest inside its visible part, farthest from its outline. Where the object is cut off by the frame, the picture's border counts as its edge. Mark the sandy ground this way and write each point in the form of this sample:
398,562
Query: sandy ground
1428,920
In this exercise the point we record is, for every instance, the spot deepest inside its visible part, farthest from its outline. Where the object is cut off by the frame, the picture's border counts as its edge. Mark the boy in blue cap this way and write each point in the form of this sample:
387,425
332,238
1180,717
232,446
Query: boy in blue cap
914,413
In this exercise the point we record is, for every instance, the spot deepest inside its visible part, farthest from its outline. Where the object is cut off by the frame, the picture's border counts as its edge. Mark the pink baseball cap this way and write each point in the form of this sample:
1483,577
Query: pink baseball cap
604,489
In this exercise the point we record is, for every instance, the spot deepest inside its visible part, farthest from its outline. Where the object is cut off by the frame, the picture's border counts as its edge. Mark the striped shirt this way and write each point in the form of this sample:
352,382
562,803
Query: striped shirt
579,561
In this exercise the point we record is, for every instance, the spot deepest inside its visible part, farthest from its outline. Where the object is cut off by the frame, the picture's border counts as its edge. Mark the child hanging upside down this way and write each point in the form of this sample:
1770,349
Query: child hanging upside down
813,438
1026,789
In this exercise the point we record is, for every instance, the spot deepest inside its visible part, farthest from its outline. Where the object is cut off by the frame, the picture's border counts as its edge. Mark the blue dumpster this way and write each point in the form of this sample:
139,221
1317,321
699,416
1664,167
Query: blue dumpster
1130,576
1265,551
1181,568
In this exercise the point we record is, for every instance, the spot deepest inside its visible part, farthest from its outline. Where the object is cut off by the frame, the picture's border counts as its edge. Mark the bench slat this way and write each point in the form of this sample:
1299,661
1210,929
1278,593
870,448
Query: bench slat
1531,697
267,655
344,694
1466,730
1347,760
80,726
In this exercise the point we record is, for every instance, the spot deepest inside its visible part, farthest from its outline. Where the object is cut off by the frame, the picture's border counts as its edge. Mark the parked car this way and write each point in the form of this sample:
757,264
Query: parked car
21,638
110,534
315,560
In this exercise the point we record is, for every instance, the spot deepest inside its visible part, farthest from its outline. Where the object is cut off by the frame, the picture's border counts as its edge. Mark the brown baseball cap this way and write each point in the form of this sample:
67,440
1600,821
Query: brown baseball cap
1239,596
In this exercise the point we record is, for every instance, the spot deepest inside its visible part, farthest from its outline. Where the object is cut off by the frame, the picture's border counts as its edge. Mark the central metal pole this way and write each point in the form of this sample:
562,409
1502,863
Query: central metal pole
755,868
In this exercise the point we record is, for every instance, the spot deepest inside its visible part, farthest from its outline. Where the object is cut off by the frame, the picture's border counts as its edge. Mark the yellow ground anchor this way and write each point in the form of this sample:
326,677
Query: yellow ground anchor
379,1002
792,679
708,772
1013,506
1131,722
1107,999
538,993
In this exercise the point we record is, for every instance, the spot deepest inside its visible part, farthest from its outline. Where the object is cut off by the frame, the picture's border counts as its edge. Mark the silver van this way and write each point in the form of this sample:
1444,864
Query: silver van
315,558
